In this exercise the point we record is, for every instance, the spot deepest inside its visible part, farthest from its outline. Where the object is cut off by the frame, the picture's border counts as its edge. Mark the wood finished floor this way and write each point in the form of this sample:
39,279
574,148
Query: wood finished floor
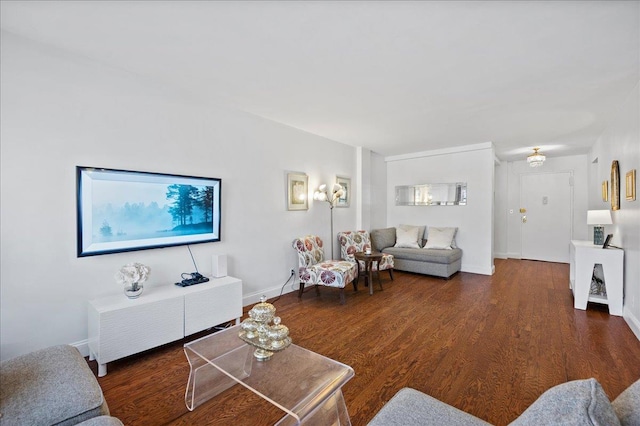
488,345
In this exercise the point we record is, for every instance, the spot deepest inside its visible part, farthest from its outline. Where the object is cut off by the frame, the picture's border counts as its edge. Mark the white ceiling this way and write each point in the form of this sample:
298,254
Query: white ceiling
395,77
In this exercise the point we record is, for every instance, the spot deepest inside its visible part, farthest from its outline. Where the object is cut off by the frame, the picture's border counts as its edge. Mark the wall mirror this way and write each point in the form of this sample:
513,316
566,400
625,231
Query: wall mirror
432,194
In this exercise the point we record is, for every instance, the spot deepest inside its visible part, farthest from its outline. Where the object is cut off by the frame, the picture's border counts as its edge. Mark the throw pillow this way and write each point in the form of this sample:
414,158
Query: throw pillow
440,238
383,238
453,241
421,230
579,402
408,238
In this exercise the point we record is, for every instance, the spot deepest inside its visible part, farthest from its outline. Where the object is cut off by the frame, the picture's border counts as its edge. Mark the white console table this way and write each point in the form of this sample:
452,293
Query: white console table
584,255
119,327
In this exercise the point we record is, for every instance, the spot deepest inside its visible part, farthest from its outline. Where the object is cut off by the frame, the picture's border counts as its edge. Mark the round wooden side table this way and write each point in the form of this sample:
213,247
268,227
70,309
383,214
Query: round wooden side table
369,260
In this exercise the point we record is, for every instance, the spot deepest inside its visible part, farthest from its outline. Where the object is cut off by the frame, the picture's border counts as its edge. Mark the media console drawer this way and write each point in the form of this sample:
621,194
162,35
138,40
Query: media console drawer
119,327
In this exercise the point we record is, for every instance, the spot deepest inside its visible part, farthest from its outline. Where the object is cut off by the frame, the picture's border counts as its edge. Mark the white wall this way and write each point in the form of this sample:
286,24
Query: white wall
363,188
60,111
378,191
473,165
508,241
500,211
621,141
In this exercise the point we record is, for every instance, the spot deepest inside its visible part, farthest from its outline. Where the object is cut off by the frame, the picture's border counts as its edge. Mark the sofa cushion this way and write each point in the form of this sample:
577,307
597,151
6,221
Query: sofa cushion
383,238
410,407
453,241
407,238
425,255
579,402
421,230
50,386
441,238
627,405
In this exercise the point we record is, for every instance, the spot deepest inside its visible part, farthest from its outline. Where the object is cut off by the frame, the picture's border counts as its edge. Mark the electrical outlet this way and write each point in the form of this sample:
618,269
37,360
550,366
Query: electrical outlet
293,271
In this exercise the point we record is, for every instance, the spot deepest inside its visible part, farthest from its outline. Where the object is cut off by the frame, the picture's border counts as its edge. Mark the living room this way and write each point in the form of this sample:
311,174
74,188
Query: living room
62,109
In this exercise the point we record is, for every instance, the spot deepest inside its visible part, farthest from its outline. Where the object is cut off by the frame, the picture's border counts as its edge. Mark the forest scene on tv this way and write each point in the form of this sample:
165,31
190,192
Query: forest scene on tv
136,211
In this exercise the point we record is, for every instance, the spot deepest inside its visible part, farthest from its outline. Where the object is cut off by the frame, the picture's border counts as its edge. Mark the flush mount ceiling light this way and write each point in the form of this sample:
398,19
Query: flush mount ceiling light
536,159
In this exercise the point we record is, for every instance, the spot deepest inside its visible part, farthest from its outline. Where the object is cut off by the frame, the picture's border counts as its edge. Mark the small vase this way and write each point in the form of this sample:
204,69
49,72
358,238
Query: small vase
133,291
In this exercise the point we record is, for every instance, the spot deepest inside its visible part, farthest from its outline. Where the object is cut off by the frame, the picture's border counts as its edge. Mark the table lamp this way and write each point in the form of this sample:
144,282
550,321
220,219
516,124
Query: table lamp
598,218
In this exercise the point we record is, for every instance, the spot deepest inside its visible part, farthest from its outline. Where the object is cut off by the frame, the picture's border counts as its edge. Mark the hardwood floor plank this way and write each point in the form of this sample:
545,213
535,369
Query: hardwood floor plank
488,345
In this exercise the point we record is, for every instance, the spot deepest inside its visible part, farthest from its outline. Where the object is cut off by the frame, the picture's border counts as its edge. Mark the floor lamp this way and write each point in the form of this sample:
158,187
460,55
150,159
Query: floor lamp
323,195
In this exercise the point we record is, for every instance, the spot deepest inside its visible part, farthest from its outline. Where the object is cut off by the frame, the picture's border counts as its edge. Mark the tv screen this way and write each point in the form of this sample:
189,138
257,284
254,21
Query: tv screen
122,210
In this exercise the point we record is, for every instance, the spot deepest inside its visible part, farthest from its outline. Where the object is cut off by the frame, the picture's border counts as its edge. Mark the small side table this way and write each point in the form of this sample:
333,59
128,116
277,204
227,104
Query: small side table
584,255
369,260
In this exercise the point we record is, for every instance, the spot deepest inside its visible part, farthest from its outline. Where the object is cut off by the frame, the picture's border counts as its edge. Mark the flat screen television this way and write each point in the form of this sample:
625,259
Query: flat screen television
123,210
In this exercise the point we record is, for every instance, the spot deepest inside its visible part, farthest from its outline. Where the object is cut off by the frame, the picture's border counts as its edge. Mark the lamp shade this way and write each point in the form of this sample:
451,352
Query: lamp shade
599,217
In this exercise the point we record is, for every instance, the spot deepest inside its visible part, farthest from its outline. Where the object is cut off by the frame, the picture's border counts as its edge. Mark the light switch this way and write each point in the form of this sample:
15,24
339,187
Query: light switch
545,200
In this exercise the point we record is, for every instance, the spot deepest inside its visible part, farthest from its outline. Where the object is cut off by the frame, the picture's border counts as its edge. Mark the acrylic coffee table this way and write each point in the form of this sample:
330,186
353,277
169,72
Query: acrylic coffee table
303,384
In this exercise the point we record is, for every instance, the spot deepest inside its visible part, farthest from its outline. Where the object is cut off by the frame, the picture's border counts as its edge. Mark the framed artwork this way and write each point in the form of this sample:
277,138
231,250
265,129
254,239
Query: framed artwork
630,185
123,210
615,186
297,191
605,190
345,200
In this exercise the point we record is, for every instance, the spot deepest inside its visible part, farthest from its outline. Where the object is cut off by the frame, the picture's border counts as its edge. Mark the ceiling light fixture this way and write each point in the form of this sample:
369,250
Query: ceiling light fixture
536,159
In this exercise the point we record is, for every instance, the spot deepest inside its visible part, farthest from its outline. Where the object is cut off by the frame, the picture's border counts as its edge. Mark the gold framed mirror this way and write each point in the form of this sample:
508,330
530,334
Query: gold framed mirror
630,187
615,186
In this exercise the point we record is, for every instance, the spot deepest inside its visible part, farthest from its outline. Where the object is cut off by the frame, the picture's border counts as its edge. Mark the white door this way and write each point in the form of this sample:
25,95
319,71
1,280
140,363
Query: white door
545,216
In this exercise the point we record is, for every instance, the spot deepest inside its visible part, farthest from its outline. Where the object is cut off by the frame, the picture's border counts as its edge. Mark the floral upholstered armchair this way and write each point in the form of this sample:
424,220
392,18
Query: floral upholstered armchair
314,269
352,242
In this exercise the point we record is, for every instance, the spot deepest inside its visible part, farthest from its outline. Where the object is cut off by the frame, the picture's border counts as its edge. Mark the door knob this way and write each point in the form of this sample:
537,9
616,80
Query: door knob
523,210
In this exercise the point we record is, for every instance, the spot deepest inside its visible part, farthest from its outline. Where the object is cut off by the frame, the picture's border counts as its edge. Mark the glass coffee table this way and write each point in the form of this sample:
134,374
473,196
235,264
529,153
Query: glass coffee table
303,384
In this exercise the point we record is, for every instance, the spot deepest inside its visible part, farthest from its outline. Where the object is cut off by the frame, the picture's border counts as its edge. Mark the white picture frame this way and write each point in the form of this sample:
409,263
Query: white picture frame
345,200
297,191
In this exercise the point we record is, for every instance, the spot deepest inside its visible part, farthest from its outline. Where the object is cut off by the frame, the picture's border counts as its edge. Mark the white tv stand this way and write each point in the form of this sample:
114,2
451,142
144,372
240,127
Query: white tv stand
119,327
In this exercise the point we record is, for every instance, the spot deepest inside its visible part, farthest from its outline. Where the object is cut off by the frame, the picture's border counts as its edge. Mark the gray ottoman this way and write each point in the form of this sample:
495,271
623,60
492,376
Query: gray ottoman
50,386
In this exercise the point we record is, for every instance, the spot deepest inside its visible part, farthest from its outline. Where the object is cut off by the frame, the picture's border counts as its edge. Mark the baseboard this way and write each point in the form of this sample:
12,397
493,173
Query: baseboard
634,323
477,269
83,347
507,256
253,298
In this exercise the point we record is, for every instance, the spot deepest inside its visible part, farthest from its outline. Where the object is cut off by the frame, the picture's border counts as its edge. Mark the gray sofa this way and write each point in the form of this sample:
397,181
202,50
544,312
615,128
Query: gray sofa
52,386
438,262
579,402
